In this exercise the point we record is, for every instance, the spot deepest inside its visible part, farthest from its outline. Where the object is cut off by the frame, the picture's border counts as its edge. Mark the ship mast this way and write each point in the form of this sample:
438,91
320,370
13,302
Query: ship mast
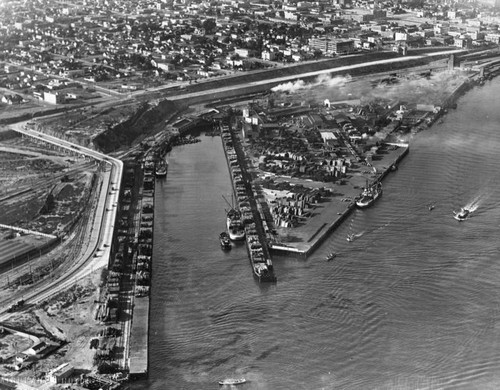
229,204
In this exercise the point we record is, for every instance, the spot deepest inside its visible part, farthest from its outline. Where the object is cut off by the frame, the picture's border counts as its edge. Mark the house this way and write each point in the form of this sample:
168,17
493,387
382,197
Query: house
268,55
36,349
329,136
53,97
60,373
163,65
12,99
22,357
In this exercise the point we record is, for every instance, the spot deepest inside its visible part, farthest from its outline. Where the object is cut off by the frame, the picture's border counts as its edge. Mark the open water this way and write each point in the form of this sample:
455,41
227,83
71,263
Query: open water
412,303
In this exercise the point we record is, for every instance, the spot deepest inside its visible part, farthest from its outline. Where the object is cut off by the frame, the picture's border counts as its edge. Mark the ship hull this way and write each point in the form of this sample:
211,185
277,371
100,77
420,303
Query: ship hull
460,217
236,236
161,169
235,229
365,203
369,196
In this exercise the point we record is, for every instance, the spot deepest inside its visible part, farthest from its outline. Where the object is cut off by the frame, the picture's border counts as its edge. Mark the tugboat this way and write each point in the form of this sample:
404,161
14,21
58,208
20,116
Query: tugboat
462,214
369,195
232,381
225,242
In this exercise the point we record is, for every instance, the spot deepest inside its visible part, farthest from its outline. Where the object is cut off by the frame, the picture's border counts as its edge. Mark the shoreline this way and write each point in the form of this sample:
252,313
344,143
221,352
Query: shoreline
335,212
318,234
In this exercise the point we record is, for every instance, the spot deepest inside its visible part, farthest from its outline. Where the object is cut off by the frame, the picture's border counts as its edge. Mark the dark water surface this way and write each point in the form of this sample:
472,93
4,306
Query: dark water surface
413,303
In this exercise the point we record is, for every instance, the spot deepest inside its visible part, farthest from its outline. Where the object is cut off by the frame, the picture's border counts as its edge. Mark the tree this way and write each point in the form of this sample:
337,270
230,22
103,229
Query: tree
49,205
209,25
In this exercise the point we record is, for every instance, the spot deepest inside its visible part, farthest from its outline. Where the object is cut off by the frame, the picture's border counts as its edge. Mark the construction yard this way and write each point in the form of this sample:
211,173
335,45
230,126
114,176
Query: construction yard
67,327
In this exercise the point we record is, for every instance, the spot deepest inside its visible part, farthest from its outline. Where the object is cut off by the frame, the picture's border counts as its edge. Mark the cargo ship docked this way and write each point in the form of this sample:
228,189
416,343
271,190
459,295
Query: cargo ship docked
234,224
244,216
369,195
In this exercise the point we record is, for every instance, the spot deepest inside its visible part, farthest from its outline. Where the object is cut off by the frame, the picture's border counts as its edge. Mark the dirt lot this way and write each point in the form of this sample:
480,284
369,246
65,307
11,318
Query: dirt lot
66,319
41,189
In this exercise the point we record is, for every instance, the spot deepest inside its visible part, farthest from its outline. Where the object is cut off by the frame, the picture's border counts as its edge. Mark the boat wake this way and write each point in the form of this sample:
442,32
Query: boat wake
467,210
359,235
472,206
354,236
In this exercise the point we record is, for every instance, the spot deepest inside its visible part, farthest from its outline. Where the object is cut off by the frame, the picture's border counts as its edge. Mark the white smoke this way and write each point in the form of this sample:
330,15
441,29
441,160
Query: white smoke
323,80
421,90
291,86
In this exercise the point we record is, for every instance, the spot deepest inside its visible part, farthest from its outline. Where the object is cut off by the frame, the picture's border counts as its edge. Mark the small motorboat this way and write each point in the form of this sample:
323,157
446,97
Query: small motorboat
232,381
331,256
431,207
350,237
462,214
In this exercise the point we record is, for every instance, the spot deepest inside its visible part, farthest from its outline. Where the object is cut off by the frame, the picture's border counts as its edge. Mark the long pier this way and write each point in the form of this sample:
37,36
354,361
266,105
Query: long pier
141,273
314,233
255,236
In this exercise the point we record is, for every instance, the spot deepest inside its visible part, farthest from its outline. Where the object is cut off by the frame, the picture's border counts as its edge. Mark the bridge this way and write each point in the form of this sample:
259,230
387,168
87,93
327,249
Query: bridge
27,231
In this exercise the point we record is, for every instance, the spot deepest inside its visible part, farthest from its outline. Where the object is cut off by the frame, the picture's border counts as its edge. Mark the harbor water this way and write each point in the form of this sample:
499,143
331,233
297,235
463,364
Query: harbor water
412,303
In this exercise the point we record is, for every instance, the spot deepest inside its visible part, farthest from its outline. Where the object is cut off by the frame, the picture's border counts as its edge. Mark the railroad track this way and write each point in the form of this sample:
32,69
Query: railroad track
94,248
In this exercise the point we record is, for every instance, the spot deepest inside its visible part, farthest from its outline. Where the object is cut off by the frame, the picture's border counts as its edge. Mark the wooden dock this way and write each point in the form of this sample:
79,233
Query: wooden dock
138,355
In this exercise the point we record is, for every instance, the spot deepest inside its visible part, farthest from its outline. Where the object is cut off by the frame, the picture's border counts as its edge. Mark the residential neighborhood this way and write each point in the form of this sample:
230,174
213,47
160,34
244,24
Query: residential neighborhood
51,50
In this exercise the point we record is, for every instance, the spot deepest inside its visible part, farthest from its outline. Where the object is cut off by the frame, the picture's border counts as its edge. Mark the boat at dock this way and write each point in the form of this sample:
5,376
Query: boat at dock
462,215
369,195
232,381
225,241
262,265
242,220
234,224
161,168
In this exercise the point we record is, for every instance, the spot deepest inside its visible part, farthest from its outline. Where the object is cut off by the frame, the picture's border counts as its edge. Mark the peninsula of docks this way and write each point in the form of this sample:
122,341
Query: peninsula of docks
251,217
331,214
141,271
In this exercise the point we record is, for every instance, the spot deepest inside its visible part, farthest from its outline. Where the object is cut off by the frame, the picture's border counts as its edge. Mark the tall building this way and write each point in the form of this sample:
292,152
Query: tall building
328,45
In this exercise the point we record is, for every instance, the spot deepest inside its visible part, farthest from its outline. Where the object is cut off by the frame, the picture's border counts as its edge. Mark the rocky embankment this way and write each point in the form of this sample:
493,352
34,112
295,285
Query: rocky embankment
143,122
